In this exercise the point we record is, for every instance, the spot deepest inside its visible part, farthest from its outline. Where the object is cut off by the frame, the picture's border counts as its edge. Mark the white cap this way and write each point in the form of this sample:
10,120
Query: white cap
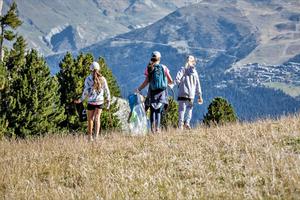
94,66
156,54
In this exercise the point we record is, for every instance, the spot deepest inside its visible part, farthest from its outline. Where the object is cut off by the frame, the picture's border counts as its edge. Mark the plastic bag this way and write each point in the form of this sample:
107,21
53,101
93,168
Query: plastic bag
138,122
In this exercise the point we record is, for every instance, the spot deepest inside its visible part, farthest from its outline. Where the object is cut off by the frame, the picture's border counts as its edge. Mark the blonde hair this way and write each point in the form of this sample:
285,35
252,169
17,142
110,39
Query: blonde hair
189,59
97,78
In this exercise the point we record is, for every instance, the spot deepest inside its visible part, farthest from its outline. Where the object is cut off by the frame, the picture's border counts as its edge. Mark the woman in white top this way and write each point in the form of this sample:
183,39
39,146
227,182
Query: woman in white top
95,86
189,86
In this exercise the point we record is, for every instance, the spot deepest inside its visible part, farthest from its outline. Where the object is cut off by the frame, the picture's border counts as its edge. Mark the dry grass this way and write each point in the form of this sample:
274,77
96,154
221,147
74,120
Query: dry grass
245,161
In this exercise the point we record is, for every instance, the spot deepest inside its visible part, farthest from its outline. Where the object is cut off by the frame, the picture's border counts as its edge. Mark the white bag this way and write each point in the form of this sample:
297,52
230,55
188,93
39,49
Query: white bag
138,122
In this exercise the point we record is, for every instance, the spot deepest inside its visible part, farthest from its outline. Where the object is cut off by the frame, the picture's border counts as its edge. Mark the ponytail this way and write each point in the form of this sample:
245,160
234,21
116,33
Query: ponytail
151,64
97,78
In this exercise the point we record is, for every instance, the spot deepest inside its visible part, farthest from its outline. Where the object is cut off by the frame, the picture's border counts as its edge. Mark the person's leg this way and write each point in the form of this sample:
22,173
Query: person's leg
97,121
158,114
181,112
189,112
152,119
90,123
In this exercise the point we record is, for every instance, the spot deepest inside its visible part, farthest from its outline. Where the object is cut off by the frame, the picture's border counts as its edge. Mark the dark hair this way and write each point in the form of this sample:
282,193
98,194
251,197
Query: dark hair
151,63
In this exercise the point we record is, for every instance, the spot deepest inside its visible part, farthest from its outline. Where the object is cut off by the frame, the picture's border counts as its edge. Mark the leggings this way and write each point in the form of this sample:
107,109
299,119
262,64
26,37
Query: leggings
155,117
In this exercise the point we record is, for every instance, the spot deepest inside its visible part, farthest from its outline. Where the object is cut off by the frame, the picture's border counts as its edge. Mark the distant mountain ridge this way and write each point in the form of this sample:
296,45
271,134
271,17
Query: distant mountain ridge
58,26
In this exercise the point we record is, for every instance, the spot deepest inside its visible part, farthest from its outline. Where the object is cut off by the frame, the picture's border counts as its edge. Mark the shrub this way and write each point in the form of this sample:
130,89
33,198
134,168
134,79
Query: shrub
220,111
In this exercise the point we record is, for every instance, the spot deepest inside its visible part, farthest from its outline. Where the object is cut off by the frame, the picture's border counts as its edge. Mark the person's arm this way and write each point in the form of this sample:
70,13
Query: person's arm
179,76
170,80
198,90
106,89
168,75
143,85
107,92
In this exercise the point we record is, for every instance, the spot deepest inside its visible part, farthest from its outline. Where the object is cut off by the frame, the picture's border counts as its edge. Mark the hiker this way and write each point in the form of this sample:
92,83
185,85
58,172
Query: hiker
188,83
95,86
158,77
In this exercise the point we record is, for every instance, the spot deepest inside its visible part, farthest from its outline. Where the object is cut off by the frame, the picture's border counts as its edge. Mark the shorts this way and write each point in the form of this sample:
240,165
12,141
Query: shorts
93,107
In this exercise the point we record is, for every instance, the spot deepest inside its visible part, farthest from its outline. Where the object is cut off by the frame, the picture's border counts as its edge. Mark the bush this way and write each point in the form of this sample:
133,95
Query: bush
219,112
170,115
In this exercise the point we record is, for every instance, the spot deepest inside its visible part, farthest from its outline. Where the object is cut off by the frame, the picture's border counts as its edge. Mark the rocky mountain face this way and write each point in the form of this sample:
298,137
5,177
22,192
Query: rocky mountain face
211,32
58,26
245,48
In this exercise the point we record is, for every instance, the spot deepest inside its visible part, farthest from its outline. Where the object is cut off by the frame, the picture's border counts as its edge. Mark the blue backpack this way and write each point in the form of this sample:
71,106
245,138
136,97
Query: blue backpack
157,78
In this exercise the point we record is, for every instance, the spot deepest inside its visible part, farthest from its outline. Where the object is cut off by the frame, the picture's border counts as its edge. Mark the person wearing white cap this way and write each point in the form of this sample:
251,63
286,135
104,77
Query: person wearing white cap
158,77
95,86
188,83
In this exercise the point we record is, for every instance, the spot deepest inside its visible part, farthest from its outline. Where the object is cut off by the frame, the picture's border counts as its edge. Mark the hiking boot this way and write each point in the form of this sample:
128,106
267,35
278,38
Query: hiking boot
90,138
187,126
96,137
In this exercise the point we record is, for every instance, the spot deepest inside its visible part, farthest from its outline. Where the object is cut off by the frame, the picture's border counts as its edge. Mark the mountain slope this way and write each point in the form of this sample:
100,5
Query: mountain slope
90,20
279,25
217,34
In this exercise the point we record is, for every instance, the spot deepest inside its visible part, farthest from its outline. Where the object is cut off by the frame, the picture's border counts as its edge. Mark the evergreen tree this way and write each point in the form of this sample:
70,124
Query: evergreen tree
33,106
3,77
14,61
16,58
3,86
71,78
170,115
8,22
111,80
219,112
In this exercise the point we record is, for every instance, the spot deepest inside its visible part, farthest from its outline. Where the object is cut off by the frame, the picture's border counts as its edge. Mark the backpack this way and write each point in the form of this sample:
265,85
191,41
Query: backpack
157,78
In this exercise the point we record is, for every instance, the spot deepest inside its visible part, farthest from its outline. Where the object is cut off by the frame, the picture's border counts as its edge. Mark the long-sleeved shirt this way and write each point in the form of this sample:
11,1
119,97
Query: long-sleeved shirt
188,83
95,97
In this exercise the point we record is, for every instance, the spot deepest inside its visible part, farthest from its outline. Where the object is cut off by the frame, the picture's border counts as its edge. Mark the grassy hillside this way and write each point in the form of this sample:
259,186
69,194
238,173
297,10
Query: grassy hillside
256,160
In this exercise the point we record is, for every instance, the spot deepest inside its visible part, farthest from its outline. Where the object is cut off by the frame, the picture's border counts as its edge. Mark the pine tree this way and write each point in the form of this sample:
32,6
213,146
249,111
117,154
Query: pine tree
71,78
170,115
33,107
3,86
111,80
3,77
219,112
14,61
16,58
7,22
